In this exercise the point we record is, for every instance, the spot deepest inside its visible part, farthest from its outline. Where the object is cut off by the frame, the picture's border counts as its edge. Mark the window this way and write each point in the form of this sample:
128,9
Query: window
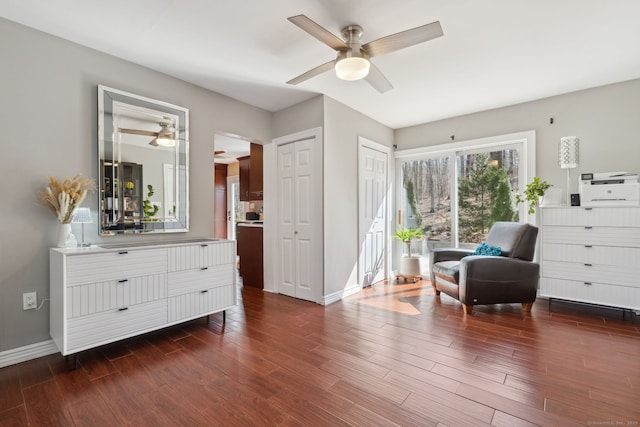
455,192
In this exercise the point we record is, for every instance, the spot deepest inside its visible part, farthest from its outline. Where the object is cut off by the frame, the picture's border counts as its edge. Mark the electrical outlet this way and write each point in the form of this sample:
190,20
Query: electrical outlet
29,301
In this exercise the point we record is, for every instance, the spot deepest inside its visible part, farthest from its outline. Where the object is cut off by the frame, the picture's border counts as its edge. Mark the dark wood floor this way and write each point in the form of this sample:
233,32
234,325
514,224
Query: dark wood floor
391,355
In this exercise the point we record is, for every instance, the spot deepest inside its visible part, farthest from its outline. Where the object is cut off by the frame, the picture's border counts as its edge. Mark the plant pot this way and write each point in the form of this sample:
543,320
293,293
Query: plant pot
410,266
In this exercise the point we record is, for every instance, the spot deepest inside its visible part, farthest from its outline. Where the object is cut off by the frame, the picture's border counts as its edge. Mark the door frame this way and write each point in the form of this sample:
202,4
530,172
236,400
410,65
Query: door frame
367,143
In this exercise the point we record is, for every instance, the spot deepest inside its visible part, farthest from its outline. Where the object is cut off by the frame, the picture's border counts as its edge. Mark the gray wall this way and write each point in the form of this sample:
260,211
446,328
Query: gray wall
343,126
48,117
606,119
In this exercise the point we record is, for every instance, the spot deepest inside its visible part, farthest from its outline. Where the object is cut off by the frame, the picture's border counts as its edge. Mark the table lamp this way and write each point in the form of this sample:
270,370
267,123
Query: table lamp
569,156
82,216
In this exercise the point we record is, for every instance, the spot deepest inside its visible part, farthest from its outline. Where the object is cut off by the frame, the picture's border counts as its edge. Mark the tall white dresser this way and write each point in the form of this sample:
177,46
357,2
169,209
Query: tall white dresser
104,294
591,255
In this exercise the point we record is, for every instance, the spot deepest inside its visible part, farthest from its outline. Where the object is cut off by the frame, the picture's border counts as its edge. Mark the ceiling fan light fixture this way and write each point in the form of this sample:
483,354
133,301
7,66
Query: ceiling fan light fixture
165,137
349,67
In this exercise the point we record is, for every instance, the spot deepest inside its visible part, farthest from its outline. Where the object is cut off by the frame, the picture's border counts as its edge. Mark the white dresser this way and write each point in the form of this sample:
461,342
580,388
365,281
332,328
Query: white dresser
591,255
104,294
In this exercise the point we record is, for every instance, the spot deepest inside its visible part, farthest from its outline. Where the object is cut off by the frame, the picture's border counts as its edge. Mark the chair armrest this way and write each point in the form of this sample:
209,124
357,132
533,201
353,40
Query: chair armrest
493,279
497,268
446,254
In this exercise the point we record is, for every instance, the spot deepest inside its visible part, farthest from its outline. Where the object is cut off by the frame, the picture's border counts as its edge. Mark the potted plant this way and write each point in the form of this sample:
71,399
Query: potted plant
410,265
149,208
532,193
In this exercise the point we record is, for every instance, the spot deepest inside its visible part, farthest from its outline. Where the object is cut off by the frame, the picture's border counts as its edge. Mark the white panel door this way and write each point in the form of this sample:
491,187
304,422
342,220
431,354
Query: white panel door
286,245
299,225
305,220
373,205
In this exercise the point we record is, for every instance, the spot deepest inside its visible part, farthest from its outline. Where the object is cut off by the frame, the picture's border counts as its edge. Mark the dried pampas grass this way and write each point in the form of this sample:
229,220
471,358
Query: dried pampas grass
62,197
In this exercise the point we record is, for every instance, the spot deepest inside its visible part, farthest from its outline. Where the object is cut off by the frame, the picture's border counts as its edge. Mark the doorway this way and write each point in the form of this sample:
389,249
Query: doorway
235,209
373,211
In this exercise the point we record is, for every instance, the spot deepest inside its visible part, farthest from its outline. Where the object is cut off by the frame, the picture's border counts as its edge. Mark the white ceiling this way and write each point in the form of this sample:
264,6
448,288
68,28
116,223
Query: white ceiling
493,52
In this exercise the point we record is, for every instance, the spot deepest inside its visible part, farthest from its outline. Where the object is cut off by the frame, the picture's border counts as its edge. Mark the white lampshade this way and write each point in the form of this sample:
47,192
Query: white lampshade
352,68
569,152
82,216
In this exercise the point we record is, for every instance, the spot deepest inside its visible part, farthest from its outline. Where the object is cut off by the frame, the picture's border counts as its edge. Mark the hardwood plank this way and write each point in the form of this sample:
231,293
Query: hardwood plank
500,419
382,406
14,417
458,417
516,409
10,394
439,397
304,411
44,405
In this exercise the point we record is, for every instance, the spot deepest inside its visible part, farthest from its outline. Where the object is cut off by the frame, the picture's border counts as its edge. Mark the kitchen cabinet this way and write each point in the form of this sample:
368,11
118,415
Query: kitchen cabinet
100,295
250,241
251,174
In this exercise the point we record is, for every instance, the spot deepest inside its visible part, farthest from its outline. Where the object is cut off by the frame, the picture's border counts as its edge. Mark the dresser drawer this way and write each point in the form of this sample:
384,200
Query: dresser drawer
200,303
601,216
202,255
606,255
93,298
183,282
624,276
102,328
601,236
592,292
102,267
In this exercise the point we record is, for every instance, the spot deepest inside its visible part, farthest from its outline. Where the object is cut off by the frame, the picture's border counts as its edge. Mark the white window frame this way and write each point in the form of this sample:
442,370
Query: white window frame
526,141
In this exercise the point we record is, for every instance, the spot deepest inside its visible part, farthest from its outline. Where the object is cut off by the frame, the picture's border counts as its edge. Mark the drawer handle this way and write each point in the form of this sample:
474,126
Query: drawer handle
123,280
588,265
587,283
588,228
204,268
203,246
204,292
588,246
123,252
123,309
588,209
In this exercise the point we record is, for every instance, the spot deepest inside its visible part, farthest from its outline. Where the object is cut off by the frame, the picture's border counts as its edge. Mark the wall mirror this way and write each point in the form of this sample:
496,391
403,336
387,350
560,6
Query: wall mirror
143,155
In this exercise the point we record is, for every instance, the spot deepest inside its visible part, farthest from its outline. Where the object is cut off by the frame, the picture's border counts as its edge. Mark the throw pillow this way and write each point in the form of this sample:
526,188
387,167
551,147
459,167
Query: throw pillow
484,249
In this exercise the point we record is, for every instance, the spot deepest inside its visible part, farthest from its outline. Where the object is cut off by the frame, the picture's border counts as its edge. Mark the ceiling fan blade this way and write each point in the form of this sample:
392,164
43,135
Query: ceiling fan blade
403,39
319,32
138,132
376,79
312,72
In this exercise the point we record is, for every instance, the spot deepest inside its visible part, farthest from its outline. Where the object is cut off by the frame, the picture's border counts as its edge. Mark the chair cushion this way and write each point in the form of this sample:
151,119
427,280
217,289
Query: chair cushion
484,249
516,239
447,270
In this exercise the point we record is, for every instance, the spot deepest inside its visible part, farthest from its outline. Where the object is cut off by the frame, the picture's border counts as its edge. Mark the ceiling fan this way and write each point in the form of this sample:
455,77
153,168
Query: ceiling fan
163,138
352,61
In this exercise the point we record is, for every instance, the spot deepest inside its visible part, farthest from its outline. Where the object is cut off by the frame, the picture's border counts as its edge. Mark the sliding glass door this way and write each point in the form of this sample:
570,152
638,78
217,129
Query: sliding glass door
456,193
486,182
427,200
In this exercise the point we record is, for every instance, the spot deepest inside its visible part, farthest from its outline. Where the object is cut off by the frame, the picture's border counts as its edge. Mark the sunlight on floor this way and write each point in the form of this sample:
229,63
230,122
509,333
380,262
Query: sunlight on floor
393,296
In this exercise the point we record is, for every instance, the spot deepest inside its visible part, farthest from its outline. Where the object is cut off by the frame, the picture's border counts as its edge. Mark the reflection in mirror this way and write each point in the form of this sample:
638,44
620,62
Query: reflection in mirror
143,147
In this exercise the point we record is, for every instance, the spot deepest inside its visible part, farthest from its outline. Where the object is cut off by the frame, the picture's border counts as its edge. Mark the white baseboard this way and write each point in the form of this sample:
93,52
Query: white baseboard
28,352
337,296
